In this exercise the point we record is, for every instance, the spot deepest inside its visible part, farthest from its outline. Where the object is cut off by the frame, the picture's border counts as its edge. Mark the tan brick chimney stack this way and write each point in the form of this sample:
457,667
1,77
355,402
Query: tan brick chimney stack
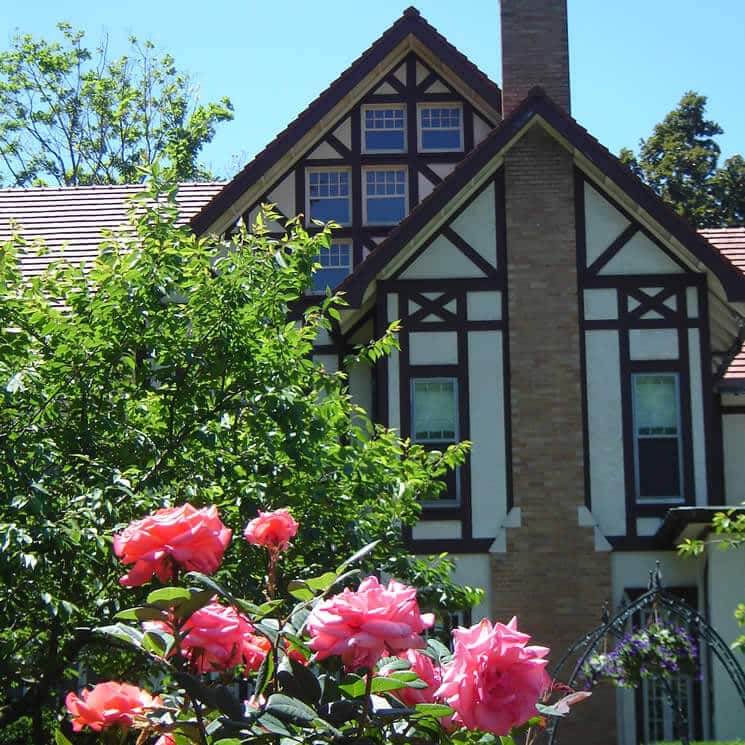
535,50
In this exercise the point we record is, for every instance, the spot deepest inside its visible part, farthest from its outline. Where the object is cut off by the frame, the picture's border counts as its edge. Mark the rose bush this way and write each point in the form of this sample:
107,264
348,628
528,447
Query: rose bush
175,537
372,676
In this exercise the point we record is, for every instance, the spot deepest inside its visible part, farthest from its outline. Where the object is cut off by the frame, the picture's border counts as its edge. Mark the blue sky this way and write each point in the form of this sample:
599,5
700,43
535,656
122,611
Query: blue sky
630,61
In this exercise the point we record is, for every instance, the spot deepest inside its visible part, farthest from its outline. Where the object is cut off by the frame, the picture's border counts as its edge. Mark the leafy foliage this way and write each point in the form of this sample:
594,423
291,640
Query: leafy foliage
680,162
73,116
172,371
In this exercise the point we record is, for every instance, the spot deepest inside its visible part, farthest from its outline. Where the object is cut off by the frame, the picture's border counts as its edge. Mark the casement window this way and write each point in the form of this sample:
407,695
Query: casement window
440,127
385,195
434,424
383,129
329,195
336,264
658,447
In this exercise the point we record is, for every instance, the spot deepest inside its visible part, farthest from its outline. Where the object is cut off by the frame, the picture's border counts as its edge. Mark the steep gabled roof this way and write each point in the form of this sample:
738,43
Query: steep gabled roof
411,22
70,219
538,104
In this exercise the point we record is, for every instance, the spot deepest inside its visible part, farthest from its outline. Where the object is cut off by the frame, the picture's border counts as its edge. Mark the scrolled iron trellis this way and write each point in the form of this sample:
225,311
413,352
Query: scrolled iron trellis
656,595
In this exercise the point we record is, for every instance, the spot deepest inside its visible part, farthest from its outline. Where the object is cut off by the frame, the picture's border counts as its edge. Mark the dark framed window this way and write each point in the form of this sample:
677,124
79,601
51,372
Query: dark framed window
434,424
658,443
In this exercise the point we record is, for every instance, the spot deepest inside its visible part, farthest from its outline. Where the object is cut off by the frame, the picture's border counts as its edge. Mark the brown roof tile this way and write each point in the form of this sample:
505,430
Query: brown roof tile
70,219
730,242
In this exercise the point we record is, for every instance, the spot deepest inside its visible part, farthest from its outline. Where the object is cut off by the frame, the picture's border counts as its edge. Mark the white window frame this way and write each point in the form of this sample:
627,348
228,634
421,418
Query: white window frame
365,197
679,436
363,124
341,242
327,169
420,128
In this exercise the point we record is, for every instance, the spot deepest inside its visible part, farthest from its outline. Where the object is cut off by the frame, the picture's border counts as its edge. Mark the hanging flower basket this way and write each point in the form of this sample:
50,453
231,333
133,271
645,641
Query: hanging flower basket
657,650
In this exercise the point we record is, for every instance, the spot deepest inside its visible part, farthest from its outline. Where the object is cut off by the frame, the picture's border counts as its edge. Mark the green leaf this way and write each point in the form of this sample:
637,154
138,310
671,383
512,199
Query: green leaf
168,595
436,711
60,739
379,685
229,741
140,614
300,590
323,582
264,674
210,584
290,709
123,633
198,600
506,740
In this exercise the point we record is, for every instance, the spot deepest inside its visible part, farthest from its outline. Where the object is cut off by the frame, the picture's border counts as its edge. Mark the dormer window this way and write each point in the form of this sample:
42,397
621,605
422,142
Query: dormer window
329,195
385,195
383,129
440,127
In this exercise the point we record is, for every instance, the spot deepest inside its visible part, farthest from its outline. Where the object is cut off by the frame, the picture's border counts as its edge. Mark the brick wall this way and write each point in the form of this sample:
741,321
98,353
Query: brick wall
534,50
551,575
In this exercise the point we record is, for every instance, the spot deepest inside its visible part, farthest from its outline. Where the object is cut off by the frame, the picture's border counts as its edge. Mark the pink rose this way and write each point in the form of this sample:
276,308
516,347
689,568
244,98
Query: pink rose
273,530
363,626
218,638
109,704
427,671
494,680
183,536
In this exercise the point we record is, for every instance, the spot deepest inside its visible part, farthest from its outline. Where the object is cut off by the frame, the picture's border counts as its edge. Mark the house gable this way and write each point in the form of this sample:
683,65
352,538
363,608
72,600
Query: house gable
410,64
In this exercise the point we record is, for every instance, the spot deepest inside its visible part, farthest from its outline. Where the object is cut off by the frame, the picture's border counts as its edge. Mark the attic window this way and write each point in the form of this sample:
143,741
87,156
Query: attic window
383,129
440,127
385,195
336,264
329,195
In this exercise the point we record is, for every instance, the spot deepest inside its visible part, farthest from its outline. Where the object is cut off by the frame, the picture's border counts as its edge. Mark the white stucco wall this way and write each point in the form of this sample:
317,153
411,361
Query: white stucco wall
477,225
487,421
726,588
393,362
361,386
603,223
641,256
433,348
733,434
441,260
604,419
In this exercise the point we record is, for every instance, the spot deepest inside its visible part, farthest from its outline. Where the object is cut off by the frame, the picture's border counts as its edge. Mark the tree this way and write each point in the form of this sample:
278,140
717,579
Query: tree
680,162
71,116
171,371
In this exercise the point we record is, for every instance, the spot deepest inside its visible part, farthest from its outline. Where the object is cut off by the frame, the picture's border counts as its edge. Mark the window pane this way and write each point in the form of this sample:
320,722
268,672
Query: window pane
333,208
384,140
659,467
336,265
656,409
441,139
434,410
386,211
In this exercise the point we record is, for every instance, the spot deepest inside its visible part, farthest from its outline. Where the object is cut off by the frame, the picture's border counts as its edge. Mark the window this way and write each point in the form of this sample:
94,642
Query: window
336,264
329,195
440,127
434,424
657,439
385,195
383,129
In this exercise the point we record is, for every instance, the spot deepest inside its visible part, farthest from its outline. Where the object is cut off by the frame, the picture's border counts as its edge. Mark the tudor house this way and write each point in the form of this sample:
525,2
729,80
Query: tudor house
554,312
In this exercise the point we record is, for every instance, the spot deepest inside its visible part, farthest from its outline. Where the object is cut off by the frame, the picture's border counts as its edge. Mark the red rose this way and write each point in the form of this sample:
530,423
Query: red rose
183,536
272,530
109,704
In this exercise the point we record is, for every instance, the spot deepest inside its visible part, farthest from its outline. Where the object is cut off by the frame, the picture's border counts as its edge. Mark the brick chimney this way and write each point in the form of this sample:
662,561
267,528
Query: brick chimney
535,50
